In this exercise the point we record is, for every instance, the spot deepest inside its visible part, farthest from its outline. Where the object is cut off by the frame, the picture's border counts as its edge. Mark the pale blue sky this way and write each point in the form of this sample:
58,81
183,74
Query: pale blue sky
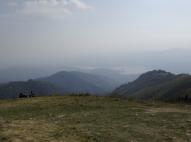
95,33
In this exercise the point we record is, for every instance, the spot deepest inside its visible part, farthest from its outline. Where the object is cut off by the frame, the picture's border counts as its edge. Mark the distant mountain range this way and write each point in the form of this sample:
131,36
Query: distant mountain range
158,85
75,82
26,73
62,82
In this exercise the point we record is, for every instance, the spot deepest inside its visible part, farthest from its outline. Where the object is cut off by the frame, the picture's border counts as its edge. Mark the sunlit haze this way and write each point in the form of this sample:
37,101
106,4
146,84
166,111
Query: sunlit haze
132,36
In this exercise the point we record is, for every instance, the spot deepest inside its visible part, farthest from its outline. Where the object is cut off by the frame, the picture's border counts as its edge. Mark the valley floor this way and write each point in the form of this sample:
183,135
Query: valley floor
92,119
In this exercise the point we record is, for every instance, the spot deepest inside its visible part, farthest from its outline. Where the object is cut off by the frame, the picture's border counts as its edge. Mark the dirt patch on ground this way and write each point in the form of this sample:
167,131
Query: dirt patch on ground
158,110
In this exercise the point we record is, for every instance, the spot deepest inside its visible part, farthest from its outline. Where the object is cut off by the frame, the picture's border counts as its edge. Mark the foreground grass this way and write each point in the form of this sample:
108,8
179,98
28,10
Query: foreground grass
92,119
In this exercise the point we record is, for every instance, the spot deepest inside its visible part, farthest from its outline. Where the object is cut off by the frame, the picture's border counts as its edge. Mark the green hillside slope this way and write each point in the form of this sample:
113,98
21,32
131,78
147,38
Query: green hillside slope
158,85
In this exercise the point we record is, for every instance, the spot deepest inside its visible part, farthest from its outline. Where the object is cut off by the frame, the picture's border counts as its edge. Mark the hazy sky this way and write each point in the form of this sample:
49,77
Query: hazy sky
134,35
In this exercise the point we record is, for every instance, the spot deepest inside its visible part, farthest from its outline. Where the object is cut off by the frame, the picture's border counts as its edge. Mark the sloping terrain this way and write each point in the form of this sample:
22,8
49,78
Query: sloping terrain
92,119
62,83
158,85
74,82
40,88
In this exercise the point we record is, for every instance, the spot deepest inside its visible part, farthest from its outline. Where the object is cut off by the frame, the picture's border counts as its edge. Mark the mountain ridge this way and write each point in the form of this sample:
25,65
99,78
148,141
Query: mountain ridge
158,85
63,82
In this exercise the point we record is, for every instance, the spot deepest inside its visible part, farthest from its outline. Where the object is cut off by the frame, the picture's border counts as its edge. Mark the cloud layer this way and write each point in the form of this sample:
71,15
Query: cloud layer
49,8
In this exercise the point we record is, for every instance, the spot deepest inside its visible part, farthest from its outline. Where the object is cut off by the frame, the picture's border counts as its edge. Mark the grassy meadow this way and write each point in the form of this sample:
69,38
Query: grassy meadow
92,119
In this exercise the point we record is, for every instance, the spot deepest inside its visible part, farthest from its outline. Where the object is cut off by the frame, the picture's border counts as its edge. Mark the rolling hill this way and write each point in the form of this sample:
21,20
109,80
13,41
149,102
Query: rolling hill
158,85
61,83
75,82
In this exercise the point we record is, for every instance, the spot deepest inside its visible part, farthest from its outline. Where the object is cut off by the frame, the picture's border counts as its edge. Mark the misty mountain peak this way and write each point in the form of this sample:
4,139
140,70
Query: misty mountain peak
156,75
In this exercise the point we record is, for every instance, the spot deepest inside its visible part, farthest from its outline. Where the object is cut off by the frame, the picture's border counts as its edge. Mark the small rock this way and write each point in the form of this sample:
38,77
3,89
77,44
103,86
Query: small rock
61,116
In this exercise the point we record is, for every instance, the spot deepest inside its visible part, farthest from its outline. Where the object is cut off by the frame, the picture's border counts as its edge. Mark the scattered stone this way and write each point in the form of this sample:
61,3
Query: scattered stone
61,116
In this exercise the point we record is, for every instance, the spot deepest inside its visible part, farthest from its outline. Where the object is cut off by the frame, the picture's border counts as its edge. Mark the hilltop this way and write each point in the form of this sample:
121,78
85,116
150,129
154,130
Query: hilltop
92,119
157,85
75,82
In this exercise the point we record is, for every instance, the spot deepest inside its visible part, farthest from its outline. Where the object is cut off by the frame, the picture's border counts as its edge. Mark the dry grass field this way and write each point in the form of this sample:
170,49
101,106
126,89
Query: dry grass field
92,119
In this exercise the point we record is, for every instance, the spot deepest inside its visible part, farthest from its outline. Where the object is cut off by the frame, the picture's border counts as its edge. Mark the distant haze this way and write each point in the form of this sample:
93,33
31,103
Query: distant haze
129,36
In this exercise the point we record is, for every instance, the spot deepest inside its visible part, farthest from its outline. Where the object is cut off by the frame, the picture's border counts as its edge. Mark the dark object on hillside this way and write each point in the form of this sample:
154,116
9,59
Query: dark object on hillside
21,95
185,99
31,94
40,88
